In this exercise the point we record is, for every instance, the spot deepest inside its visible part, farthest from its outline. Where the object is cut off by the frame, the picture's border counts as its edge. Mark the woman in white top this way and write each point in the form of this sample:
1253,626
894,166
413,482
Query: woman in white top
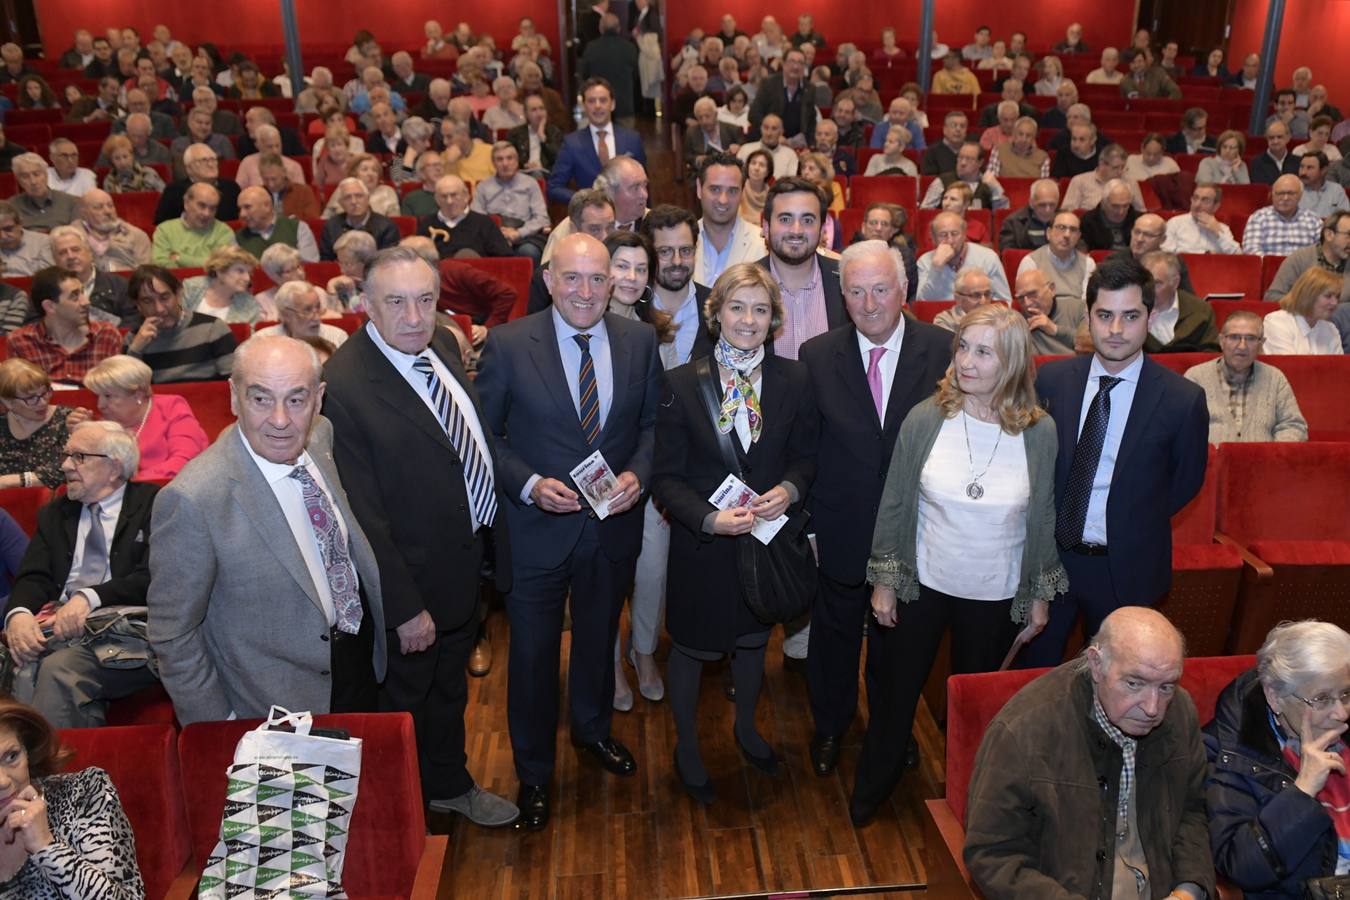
1052,73
1319,139
964,534
1150,160
1227,167
1302,324
737,110
892,155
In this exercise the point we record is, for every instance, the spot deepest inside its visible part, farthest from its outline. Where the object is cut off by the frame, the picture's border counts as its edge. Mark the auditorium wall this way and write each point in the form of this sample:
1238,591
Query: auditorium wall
1310,37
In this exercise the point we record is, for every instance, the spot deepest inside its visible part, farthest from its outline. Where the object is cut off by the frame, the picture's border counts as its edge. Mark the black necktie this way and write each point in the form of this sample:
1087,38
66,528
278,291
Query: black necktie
1086,455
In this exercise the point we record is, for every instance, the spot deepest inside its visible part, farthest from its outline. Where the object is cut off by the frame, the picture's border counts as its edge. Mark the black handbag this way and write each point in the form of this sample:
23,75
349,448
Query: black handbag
779,579
1328,887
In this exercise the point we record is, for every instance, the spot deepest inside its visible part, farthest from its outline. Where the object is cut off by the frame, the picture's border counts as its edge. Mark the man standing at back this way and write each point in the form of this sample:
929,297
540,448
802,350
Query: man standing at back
557,386
402,407
1133,446
724,238
586,150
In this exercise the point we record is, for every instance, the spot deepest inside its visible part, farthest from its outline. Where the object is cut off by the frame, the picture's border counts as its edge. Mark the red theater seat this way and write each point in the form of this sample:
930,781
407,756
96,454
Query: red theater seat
23,504
866,190
927,310
1319,384
1224,308
138,208
142,761
389,853
1215,273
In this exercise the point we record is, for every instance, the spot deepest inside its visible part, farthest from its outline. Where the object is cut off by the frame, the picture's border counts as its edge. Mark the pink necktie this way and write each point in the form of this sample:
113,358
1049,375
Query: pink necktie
874,376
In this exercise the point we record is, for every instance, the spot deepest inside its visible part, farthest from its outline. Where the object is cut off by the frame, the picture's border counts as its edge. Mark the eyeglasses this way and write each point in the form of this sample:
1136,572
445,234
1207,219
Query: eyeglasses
1027,295
1066,229
79,457
1324,703
976,295
666,254
35,399
1151,235
1252,339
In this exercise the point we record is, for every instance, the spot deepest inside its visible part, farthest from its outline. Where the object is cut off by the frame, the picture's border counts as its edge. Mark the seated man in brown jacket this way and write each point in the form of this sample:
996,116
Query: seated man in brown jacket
1090,782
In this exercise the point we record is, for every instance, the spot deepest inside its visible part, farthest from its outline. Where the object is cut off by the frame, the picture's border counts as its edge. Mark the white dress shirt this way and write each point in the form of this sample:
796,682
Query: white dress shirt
403,364
1163,325
290,497
1287,333
76,185
1185,236
1122,398
889,361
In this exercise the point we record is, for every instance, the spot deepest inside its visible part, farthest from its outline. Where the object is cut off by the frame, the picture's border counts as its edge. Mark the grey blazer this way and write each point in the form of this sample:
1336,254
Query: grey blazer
234,616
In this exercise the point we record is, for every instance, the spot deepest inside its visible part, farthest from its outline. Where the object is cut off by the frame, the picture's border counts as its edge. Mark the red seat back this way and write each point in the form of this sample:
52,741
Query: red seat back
23,504
866,190
1269,266
1224,308
1282,491
927,310
388,827
1180,362
1244,199
138,208
1216,273
1318,383
142,761
1196,522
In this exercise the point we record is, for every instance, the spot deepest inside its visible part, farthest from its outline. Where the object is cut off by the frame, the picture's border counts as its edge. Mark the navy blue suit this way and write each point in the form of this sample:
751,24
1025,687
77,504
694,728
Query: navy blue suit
578,163
530,411
1160,467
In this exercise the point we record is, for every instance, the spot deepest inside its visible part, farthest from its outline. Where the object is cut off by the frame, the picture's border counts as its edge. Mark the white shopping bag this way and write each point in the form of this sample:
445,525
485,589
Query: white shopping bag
288,807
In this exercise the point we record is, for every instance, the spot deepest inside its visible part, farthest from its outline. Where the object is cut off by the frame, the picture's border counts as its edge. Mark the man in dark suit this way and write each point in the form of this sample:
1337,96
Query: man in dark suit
108,295
356,215
1277,160
584,151
787,96
613,57
866,377
708,135
402,77
398,391
90,551
1192,138
1133,445
558,386
538,142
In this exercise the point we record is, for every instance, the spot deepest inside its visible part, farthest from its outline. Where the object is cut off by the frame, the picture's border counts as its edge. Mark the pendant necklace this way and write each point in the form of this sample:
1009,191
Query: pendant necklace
974,490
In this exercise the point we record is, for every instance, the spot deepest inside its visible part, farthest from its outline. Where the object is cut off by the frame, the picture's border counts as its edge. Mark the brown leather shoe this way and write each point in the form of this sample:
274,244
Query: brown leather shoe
480,659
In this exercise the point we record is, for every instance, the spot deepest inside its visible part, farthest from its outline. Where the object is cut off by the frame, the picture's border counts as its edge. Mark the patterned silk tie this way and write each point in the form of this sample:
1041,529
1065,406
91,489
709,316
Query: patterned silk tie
337,563
589,393
1083,470
477,470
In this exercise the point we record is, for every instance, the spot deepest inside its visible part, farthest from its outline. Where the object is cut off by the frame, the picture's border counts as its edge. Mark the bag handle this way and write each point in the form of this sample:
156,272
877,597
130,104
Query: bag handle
281,719
707,383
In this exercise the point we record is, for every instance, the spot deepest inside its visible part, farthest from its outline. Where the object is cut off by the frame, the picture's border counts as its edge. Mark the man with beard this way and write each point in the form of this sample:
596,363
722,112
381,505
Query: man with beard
117,245
673,233
723,237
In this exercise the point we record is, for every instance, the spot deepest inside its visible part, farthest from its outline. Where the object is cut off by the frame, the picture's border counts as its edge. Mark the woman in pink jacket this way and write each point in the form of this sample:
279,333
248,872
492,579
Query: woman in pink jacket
165,427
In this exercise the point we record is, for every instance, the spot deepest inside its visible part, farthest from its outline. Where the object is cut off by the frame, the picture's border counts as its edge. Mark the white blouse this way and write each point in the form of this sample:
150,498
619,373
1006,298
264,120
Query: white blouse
973,548
1290,334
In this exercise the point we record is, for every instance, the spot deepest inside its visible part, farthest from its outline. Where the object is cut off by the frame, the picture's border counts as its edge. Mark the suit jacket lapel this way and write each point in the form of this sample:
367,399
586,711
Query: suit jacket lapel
907,367
772,403
254,496
70,526
851,372
132,502
621,364
1073,409
1146,397
548,361
392,390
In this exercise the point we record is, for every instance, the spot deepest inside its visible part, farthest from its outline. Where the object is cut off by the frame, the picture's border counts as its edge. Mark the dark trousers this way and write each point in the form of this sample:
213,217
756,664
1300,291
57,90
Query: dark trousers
354,687
535,608
1091,592
432,685
982,632
837,620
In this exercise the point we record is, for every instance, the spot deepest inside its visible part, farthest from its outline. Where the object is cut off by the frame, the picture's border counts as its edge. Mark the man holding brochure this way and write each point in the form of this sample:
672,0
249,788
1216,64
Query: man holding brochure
570,395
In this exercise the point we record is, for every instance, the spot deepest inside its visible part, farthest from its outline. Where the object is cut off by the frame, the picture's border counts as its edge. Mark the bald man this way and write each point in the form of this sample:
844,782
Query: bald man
1282,227
187,241
458,231
260,226
531,378
1148,234
1054,321
1091,779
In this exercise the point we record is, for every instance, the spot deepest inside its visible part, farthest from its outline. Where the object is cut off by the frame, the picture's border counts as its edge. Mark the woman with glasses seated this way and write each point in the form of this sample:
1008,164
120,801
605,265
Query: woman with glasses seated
1278,795
35,432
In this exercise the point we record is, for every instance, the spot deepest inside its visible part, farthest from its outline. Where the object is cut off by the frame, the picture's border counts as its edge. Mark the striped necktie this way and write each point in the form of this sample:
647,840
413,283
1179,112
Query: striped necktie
588,406
478,480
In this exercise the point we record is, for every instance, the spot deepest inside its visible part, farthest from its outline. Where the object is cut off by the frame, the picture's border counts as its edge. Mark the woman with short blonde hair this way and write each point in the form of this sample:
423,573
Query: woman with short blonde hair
223,292
1302,324
127,175
33,438
164,426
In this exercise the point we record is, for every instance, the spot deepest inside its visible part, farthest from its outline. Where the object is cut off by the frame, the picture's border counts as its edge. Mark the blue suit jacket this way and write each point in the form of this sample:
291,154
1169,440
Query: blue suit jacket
529,409
1160,467
578,163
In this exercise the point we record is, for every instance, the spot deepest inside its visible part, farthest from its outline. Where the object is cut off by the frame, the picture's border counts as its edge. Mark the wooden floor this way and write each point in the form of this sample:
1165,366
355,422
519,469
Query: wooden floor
642,837
614,837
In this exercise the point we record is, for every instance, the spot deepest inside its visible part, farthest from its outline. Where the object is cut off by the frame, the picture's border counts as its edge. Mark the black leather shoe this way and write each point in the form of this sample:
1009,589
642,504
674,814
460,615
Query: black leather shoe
824,754
860,811
703,793
766,764
794,665
533,804
610,754
912,754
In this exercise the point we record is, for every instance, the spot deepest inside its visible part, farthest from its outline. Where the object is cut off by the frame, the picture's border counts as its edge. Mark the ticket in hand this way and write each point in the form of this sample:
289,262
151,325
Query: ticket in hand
735,494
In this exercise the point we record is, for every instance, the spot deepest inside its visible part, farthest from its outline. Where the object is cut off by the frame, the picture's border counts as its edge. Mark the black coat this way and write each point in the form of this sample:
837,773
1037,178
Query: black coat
1268,836
1263,169
417,526
1096,233
475,232
1015,234
854,448
110,295
548,147
381,228
614,58
705,607
46,565
771,99
1177,144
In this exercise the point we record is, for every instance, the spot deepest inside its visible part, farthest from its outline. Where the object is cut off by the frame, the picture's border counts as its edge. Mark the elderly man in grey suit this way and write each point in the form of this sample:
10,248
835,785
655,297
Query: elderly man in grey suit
264,589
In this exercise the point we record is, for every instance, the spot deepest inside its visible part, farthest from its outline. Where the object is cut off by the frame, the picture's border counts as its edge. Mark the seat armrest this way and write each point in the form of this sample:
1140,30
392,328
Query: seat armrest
433,869
1263,571
948,878
184,886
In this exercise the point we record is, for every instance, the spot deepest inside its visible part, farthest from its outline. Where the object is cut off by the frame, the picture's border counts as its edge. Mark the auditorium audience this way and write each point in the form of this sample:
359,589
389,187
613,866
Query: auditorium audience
1302,324
261,227
35,433
1054,321
300,306
971,290
1248,400
223,292
176,343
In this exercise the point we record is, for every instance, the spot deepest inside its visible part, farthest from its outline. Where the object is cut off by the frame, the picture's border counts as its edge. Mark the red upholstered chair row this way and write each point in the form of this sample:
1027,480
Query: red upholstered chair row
972,703
23,503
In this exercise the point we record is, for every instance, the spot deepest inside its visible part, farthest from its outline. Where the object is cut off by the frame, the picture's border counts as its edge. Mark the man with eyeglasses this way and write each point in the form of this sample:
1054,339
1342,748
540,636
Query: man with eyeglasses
199,132
971,290
65,343
1029,227
1200,231
952,253
1067,267
22,252
65,174
1282,227
90,552
202,166
1054,321
674,235
1148,234
1331,254
1248,400
1181,322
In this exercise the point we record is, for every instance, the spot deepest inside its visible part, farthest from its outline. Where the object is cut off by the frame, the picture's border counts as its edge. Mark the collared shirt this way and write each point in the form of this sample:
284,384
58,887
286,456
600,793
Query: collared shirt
889,360
518,201
1185,236
685,321
290,497
33,343
803,311
937,282
33,254
1163,324
403,364
714,260
1270,234
1122,398
76,185
57,208
1290,333
121,249
1324,200
1130,878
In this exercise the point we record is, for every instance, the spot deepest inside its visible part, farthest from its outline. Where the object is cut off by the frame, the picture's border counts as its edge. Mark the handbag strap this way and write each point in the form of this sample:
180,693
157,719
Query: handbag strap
707,383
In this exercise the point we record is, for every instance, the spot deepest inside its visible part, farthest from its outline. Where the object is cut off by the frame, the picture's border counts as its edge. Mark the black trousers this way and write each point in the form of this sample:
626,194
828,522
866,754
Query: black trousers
535,608
837,620
354,686
1092,593
982,632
